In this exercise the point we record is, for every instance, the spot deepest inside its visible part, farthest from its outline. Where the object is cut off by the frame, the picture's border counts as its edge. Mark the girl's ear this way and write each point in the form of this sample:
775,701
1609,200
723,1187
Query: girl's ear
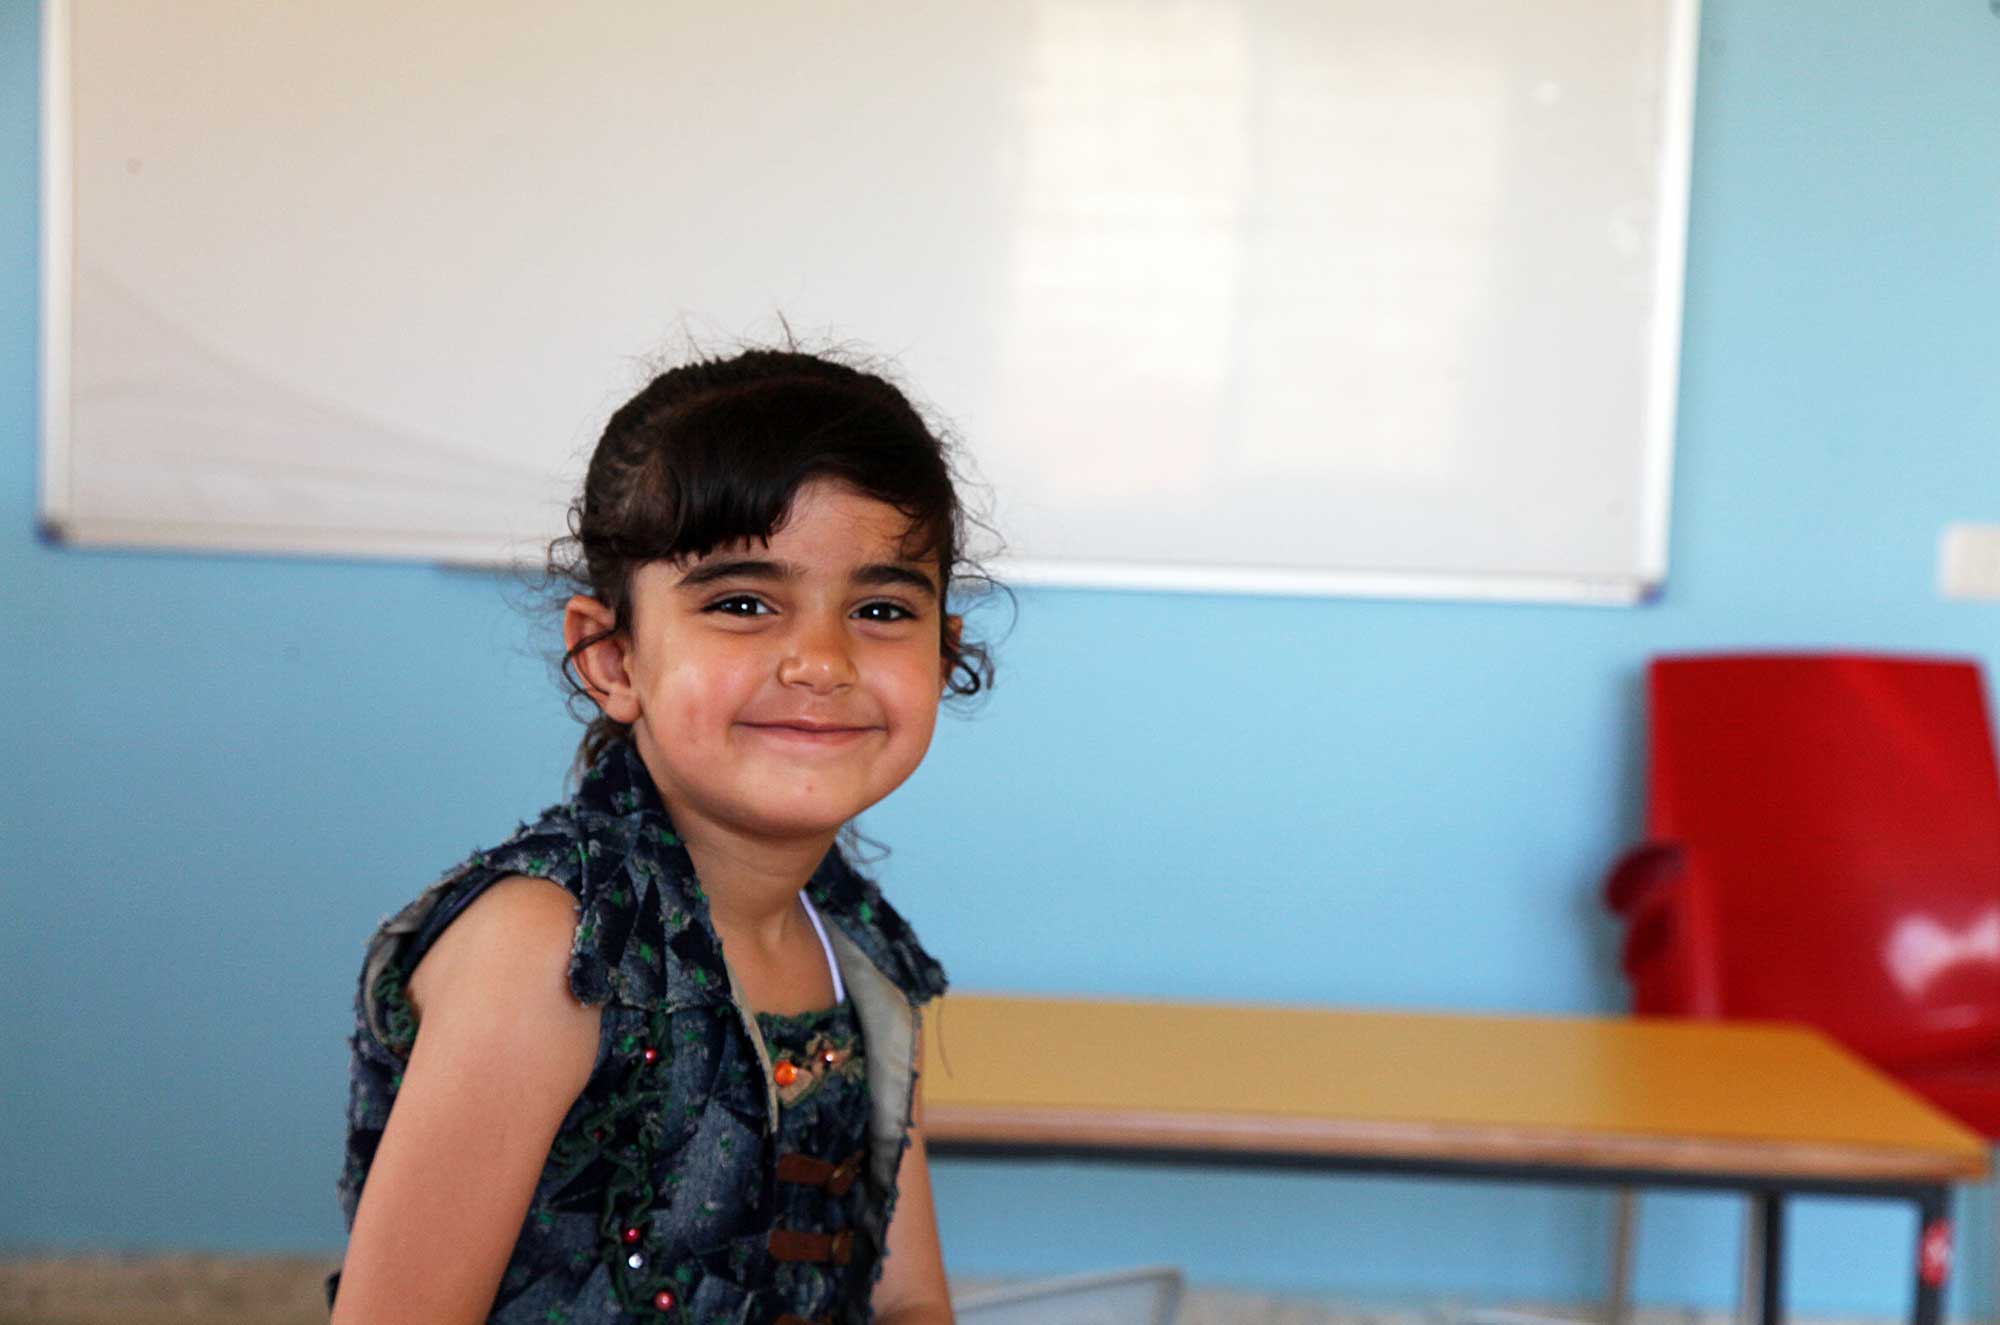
602,664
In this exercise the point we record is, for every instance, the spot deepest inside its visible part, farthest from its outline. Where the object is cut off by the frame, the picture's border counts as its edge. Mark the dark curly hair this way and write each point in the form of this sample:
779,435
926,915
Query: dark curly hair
714,451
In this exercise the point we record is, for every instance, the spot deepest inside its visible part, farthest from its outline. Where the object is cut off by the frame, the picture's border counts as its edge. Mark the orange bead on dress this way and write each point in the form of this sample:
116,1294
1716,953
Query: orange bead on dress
785,1073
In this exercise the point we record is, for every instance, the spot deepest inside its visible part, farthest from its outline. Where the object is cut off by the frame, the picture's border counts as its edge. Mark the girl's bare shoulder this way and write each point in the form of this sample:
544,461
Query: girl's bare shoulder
514,939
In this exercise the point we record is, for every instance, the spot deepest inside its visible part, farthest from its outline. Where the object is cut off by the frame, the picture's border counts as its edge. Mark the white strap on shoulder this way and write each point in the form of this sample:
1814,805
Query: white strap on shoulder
826,946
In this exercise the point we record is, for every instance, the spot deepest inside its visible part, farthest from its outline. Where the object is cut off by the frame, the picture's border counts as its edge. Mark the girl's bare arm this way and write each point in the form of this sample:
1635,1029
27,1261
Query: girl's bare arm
502,1051
912,1290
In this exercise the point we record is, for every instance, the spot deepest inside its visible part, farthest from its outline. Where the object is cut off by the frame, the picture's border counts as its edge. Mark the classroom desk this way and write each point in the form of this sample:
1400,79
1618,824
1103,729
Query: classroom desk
1768,1110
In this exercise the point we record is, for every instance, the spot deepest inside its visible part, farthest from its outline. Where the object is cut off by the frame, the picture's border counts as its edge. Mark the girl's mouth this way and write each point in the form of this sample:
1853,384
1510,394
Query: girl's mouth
809,733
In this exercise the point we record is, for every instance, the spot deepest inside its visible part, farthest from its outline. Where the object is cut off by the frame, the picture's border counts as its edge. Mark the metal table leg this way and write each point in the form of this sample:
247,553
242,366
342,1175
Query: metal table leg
1760,1298
1934,1253
1768,1237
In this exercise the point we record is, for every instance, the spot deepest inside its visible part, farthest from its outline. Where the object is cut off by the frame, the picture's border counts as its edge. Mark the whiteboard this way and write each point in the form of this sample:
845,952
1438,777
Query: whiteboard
1324,296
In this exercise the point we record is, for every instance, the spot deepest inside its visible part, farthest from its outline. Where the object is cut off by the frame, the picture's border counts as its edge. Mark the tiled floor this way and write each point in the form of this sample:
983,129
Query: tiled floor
168,1290
206,1290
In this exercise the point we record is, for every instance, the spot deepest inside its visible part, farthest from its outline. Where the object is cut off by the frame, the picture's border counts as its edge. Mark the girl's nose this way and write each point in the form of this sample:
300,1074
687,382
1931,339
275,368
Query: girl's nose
818,660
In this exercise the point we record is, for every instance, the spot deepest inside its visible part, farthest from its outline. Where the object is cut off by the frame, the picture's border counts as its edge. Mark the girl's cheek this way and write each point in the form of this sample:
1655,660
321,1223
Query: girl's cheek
725,691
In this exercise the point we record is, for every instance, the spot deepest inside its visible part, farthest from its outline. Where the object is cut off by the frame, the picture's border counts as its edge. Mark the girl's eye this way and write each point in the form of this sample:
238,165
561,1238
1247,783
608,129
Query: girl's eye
740,604
884,612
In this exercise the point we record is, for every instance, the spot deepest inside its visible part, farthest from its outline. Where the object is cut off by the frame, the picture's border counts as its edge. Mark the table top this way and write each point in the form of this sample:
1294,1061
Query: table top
1658,1095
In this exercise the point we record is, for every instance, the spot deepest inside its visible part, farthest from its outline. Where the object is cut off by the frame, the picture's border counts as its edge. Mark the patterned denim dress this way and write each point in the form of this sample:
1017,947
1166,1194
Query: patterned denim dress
822,1138
712,1172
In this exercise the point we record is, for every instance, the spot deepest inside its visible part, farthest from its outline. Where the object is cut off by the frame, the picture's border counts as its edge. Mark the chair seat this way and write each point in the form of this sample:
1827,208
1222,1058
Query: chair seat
1967,1088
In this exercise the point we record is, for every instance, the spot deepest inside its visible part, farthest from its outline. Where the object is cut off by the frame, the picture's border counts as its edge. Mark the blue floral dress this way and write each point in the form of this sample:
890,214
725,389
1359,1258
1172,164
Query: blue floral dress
718,1168
822,1138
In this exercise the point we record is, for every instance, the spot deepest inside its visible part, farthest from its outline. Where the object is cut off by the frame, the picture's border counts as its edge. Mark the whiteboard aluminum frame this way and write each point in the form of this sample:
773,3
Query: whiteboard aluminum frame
1273,581
1669,290
1663,374
58,256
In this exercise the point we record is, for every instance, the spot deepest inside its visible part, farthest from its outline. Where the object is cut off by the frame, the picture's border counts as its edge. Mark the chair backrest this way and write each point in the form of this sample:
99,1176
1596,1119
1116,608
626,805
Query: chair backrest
1840,816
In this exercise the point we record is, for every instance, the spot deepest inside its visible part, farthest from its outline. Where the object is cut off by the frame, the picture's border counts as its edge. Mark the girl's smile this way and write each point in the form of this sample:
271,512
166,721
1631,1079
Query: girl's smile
809,735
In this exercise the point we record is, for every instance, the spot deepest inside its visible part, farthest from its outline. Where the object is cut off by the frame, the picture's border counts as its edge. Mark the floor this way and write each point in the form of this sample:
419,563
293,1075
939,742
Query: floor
207,1290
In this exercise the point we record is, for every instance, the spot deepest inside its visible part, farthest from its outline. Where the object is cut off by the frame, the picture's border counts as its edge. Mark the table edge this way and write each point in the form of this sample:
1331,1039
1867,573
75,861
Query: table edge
1266,1136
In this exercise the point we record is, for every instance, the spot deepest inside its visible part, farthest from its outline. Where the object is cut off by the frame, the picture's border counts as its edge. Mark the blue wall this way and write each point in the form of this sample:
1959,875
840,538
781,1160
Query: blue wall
220,772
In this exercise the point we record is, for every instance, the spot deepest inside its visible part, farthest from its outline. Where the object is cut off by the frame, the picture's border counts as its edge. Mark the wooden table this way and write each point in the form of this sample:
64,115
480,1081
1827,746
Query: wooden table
1768,1110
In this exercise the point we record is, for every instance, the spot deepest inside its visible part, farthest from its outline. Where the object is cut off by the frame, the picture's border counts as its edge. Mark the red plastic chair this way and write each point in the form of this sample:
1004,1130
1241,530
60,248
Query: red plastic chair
1824,846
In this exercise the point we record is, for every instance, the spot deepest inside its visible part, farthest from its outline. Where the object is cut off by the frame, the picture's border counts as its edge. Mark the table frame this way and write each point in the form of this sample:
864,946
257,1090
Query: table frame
1767,1194
1771,1111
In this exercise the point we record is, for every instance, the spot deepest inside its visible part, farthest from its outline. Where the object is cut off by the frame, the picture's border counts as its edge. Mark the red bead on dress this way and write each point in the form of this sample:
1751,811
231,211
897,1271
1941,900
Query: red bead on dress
663,1300
651,1055
632,1235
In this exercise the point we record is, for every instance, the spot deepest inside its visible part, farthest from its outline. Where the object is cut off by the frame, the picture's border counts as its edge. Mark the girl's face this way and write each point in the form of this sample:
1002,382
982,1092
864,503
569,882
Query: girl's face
778,691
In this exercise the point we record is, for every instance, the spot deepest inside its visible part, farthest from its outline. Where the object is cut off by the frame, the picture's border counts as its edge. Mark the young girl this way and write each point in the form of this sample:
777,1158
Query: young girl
655,1057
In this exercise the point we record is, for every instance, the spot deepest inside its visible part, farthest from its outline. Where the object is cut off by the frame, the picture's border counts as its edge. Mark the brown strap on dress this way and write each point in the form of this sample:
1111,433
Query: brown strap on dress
790,1244
807,1171
803,1169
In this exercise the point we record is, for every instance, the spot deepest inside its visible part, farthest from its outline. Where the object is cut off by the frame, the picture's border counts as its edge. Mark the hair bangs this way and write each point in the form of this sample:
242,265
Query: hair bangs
742,457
